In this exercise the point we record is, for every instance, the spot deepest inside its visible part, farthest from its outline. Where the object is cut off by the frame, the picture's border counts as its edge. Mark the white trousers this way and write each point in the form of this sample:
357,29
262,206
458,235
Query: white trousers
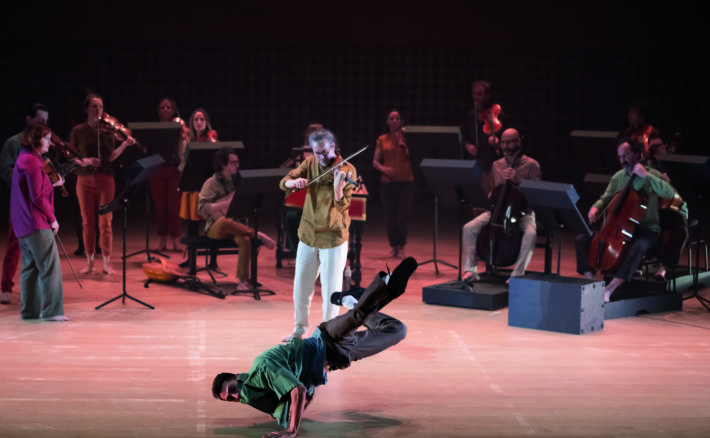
309,261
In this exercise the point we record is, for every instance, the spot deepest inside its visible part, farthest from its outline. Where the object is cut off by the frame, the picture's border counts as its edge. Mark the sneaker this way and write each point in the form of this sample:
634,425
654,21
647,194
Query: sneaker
6,298
347,299
266,240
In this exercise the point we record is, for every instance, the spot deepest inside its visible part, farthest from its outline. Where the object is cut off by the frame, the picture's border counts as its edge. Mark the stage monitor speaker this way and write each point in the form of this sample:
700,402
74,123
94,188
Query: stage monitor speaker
557,304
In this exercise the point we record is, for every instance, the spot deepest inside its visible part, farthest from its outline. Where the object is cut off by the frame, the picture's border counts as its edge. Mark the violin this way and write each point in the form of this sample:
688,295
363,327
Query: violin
641,135
63,148
53,175
609,245
489,116
121,132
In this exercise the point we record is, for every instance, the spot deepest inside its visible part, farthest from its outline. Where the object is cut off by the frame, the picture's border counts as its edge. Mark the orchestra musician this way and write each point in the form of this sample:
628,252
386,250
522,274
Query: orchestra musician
648,183
515,167
674,217
484,147
396,183
214,199
199,130
38,114
95,185
639,129
164,185
323,232
32,211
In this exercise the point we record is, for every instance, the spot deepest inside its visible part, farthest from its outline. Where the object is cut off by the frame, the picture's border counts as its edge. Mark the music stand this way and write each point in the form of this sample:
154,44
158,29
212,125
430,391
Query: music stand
253,188
141,171
456,183
199,158
160,138
555,206
690,175
437,142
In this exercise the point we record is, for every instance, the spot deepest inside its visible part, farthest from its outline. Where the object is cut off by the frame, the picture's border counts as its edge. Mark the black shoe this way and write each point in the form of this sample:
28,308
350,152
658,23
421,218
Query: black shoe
355,292
185,264
397,283
79,251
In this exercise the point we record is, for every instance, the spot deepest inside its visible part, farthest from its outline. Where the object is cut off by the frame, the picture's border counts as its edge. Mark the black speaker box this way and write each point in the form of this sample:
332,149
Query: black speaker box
558,304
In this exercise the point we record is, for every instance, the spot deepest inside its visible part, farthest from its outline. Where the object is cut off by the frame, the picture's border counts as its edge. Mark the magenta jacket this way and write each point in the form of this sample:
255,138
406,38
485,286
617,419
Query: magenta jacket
32,202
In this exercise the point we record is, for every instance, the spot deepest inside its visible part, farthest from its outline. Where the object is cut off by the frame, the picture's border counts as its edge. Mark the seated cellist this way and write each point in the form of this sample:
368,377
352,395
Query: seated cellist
648,183
514,166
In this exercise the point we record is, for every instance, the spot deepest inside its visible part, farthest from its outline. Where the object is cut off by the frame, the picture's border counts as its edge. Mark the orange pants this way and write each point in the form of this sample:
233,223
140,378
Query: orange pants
225,227
93,191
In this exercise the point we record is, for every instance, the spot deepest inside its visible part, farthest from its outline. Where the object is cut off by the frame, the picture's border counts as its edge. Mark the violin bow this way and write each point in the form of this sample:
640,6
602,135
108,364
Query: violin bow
332,168
68,260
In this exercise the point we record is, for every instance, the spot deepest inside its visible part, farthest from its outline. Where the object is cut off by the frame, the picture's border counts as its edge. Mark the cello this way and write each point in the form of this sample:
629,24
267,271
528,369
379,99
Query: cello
609,245
499,241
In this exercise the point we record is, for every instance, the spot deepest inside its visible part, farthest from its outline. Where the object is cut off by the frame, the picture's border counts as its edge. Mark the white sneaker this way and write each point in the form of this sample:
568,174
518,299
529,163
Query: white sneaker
6,298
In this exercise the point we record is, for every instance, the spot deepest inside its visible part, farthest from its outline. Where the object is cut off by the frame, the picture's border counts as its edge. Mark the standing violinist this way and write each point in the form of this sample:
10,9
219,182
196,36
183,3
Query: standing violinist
32,210
95,184
650,184
515,167
37,115
323,232
484,147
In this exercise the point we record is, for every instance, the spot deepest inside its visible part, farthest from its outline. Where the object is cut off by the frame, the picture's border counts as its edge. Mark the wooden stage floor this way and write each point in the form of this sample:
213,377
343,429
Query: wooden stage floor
127,371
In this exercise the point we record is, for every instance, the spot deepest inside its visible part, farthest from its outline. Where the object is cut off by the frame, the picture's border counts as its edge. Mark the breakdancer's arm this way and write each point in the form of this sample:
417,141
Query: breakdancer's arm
298,405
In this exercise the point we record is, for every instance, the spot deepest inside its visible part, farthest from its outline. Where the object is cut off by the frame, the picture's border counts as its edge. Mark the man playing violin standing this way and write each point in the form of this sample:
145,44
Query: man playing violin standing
648,183
515,167
323,232
482,145
37,115
213,202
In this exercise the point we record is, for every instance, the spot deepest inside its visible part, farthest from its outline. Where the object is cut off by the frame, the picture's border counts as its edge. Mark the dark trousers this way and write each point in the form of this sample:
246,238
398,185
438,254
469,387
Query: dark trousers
345,344
676,226
397,199
642,241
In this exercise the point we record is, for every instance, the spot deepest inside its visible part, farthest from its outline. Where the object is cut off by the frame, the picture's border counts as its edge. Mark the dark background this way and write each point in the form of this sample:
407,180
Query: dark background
264,72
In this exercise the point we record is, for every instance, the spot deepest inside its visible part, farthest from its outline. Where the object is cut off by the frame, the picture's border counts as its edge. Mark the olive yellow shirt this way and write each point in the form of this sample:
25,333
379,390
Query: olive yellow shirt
325,221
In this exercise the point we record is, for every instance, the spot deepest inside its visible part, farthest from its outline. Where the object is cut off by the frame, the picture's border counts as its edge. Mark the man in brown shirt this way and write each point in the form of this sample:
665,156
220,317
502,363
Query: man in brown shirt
323,232
514,166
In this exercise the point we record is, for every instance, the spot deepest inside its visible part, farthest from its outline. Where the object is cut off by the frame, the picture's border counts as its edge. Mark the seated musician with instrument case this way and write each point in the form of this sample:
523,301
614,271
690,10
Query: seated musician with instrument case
645,187
508,172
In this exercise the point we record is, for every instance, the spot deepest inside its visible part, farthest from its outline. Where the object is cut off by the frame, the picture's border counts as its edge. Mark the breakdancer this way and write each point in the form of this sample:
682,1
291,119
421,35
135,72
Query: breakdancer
282,380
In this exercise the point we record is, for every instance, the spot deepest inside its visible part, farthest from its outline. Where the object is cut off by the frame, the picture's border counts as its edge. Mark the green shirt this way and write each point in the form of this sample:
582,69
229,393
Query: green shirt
652,187
271,378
